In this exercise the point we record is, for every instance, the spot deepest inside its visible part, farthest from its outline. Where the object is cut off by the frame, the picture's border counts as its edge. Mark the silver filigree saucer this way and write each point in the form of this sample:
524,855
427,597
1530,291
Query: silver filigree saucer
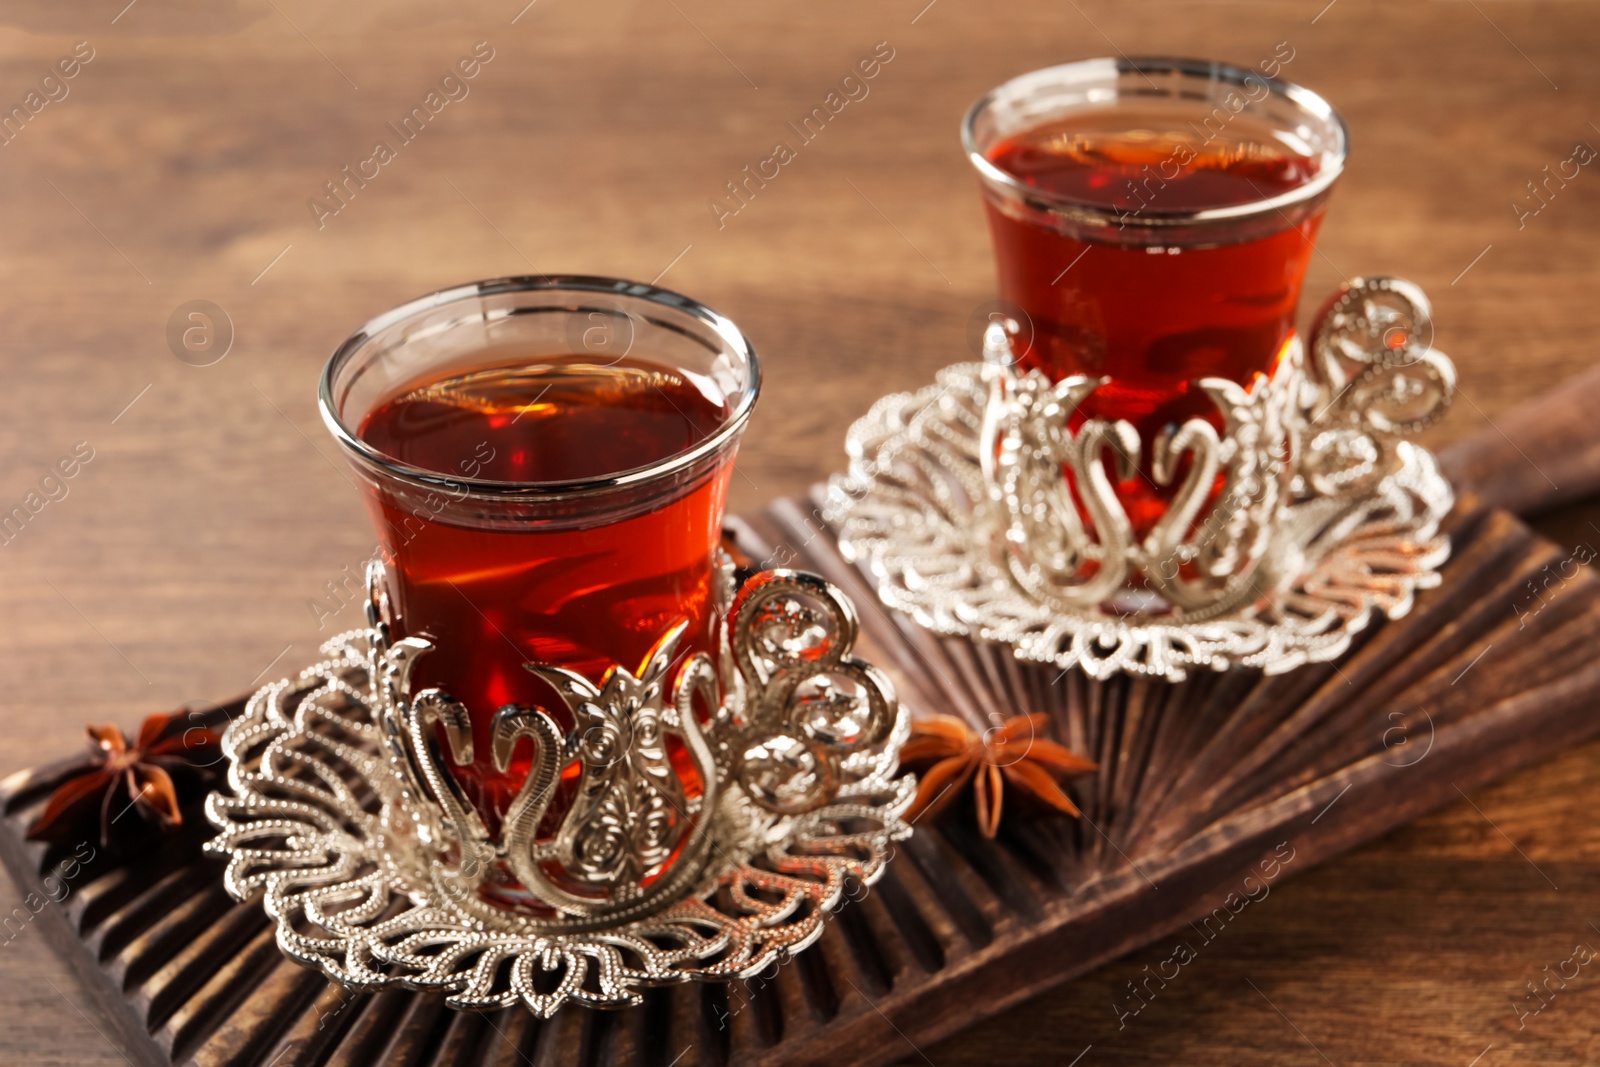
958,501
343,816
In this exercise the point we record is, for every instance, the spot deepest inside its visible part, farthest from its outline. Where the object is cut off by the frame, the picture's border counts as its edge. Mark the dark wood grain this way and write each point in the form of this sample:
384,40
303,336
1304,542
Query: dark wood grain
1540,455
174,572
1181,832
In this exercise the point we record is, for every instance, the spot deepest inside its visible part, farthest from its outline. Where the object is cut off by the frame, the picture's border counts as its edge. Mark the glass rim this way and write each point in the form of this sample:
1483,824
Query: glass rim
1210,70
422,477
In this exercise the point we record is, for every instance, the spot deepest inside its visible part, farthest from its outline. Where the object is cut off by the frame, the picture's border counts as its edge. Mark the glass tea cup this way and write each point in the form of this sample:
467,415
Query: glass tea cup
1152,221
546,461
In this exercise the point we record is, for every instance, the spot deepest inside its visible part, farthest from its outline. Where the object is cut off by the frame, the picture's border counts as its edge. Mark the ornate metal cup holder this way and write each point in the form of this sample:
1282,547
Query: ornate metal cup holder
958,500
344,817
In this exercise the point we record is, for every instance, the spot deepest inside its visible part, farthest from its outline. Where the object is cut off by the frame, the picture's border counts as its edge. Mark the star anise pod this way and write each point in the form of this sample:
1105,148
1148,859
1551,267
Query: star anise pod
948,755
149,776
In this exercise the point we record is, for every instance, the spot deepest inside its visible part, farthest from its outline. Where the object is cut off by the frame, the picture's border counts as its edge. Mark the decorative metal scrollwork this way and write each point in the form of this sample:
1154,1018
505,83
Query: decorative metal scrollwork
1375,363
376,868
1307,512
812,707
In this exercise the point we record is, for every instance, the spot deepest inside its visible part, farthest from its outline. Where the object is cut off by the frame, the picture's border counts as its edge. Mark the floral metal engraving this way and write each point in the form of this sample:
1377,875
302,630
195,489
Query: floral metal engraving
344,815
958,500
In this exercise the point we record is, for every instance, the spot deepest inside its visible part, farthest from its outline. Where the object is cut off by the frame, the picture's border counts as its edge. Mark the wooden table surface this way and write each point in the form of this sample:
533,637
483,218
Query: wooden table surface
183,561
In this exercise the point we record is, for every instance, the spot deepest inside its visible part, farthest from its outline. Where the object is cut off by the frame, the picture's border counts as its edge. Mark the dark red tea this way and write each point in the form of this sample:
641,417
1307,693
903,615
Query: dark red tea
1152,317
580,597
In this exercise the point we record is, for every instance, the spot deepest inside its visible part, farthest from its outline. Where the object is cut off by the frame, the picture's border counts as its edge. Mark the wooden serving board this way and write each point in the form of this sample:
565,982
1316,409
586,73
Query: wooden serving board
1208,788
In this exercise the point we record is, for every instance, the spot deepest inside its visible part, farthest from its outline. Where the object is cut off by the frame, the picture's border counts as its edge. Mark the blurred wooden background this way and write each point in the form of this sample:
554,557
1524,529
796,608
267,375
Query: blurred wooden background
177,165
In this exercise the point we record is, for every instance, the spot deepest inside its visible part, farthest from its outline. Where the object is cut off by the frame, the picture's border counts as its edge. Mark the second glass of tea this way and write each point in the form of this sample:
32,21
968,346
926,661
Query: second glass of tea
546,462
1152,222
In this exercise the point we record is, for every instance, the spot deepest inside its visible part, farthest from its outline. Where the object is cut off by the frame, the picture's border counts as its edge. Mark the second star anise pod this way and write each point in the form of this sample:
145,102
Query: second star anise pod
150,776
949,756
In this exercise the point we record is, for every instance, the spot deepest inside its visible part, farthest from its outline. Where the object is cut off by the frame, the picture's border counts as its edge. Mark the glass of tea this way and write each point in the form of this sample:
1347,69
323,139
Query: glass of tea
1152,222
546,461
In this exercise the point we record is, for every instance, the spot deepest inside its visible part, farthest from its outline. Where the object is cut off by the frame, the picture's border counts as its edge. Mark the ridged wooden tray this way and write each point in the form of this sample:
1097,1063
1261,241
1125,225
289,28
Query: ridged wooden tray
1202,783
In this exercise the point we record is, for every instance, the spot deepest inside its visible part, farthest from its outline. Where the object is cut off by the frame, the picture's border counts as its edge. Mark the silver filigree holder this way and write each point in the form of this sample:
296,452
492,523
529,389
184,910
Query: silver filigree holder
957,498
344,816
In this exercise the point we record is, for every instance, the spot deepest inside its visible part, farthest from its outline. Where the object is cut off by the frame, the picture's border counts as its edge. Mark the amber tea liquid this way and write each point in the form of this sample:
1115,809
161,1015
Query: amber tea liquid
580,596
1154,318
